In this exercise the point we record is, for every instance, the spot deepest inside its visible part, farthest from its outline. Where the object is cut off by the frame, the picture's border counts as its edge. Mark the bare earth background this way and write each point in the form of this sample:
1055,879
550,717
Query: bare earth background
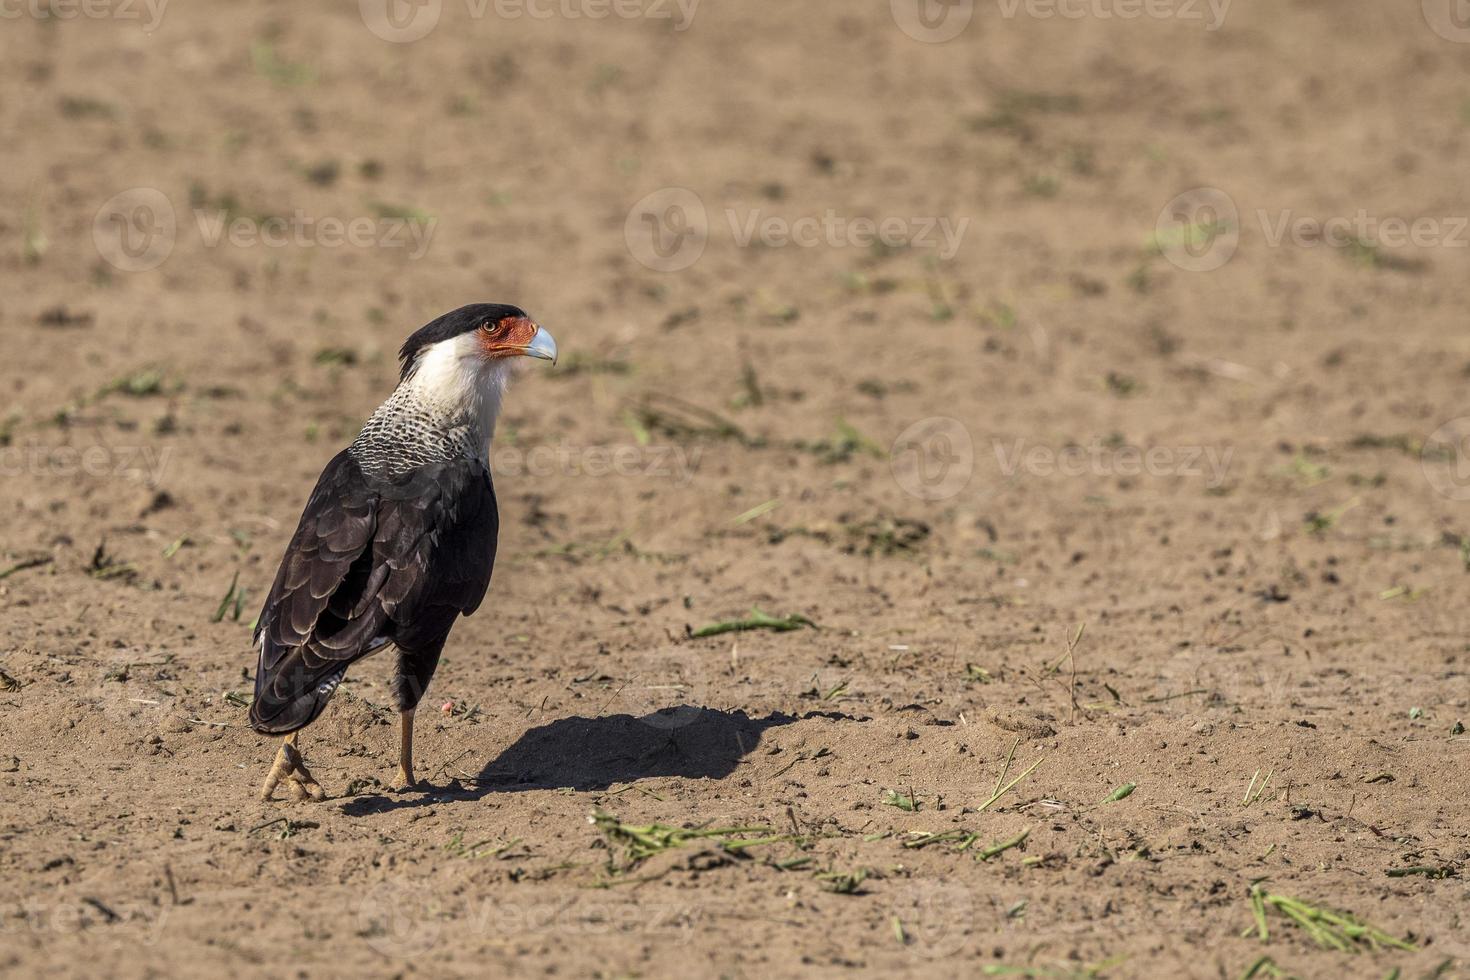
1280,589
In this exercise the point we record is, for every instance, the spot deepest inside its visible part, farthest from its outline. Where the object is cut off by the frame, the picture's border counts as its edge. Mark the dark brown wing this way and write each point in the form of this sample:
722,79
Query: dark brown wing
372,562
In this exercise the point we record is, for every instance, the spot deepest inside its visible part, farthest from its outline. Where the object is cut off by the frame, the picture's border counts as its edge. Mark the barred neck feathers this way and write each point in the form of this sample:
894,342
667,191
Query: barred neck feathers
444,408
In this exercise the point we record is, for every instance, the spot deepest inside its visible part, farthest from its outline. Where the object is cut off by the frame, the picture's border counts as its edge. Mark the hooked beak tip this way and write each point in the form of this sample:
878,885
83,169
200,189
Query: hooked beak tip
542,345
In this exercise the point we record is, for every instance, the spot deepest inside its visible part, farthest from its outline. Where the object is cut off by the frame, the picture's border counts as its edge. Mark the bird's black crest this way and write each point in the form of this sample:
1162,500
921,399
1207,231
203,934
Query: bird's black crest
462,320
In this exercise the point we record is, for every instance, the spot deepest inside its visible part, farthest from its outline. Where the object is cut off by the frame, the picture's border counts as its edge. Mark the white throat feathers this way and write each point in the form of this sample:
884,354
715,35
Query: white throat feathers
447,407
455,382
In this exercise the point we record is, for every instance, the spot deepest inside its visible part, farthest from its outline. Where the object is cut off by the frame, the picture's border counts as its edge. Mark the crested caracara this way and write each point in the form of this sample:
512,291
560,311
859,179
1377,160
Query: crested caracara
397,540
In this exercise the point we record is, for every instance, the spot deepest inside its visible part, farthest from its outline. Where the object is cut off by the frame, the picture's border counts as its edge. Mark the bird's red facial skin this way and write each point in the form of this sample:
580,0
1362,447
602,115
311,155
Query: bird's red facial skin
508,338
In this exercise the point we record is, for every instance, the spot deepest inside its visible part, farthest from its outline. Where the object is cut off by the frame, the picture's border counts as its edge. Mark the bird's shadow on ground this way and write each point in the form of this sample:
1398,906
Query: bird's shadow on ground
596,753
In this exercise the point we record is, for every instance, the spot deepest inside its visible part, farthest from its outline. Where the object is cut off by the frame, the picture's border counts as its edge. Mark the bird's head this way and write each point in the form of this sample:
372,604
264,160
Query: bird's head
482,337
461,361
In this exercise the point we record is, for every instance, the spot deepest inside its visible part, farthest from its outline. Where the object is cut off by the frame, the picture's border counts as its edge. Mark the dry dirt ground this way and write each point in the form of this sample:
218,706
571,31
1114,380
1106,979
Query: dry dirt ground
1189,426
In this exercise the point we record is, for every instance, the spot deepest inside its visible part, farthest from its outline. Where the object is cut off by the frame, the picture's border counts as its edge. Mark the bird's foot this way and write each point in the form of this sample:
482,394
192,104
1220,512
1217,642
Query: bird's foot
289,766
404,781
304,787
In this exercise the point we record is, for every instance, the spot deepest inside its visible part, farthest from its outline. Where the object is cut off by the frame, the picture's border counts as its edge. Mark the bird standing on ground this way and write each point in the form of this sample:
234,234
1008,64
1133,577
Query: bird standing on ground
398,538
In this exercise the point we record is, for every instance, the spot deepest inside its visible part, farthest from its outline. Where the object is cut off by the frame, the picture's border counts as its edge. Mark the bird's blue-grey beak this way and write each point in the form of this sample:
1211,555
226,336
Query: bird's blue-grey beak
542,345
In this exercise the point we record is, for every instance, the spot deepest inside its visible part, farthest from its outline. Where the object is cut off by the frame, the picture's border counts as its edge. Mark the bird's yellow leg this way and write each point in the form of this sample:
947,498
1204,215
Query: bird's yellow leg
405,751
278,772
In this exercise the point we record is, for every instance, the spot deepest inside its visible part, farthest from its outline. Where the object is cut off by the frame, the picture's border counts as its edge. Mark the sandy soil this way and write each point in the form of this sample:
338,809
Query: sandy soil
1188,425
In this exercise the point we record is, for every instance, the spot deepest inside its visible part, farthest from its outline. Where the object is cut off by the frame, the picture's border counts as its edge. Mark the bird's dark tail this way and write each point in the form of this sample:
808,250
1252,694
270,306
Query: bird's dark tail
272,714
290,695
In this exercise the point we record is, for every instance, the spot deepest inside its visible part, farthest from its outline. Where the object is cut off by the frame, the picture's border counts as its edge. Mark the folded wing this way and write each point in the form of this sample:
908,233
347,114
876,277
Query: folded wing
373,561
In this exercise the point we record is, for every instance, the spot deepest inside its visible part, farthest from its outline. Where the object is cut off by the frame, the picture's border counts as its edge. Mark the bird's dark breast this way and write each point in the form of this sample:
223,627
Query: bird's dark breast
380,556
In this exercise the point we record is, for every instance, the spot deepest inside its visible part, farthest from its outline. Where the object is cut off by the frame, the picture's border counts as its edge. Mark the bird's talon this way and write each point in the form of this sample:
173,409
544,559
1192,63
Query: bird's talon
303,787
